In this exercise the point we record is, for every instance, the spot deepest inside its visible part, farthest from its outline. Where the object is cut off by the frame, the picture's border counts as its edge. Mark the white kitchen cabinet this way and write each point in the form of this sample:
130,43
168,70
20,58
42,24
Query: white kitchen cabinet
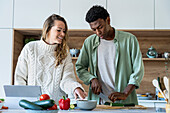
5,58
6,13
162,14
33,13
74,12
131,14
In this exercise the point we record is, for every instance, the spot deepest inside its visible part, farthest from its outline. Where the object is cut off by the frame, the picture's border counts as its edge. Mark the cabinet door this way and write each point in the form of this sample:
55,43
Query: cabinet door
33,13
5,58
162,14
6,13
131,14
74,11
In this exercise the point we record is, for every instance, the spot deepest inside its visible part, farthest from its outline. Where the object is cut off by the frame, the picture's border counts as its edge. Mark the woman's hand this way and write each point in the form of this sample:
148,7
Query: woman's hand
78,92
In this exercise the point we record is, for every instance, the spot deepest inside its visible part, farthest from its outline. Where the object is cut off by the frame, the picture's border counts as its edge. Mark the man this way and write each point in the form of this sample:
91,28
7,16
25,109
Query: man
113,58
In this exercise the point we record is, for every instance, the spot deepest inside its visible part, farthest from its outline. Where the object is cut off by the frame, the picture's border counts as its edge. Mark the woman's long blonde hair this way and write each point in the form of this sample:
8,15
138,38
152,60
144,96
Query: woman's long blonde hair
62,49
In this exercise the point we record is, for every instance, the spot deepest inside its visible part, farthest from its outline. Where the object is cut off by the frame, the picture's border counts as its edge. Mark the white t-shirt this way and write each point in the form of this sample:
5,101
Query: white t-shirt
106,65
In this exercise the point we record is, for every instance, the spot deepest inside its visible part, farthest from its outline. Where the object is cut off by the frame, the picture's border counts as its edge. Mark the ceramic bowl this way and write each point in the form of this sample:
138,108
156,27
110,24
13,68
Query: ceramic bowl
86,104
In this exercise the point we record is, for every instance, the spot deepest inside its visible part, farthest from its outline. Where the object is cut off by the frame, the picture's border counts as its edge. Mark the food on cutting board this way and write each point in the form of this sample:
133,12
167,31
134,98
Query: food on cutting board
72,106
54,107
119,104
44,103
29,105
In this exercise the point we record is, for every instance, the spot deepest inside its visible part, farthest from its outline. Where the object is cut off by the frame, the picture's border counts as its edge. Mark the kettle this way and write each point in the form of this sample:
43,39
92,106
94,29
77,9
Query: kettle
152,53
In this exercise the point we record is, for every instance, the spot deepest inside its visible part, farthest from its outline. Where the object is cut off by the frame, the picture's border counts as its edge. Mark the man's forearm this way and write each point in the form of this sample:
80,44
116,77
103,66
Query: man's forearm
128,90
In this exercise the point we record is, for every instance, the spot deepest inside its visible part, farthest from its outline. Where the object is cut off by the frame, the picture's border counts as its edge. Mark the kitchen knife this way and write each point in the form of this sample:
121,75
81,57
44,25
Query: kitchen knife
104,97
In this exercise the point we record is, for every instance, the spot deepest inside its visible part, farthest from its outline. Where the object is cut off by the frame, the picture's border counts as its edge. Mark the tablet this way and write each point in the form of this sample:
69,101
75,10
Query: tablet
22,91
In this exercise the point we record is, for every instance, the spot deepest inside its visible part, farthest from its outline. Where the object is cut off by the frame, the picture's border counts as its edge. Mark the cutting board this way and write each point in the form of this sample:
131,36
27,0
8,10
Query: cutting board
120,107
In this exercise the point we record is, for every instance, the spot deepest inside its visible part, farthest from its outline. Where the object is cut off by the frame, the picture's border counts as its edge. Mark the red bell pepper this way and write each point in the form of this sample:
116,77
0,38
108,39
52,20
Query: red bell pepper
64,104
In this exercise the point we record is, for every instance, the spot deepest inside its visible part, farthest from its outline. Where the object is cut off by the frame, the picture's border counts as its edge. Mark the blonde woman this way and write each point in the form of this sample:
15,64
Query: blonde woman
48,63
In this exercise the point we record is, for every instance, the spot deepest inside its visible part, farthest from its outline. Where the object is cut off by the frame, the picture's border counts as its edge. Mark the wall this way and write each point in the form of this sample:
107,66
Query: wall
6,31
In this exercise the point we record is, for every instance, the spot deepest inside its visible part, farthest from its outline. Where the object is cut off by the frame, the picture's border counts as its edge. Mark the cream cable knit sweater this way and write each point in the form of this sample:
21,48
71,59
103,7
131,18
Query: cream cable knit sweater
36,66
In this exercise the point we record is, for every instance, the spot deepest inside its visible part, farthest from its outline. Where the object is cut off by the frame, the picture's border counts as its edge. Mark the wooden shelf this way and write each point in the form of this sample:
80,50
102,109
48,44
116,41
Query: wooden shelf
74,58
144,59
154,59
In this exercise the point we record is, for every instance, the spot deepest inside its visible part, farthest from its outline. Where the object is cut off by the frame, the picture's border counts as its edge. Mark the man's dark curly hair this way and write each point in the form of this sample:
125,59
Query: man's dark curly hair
95,13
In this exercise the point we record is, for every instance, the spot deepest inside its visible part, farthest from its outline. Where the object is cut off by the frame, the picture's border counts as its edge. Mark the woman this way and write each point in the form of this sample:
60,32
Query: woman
48,63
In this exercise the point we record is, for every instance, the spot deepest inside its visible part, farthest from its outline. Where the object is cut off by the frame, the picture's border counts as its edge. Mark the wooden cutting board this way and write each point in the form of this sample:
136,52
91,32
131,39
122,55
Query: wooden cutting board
120,107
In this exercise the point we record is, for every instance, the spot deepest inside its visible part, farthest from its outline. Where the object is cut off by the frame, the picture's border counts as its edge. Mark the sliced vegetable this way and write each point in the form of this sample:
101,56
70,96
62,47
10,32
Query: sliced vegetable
29,105
119,104
72,106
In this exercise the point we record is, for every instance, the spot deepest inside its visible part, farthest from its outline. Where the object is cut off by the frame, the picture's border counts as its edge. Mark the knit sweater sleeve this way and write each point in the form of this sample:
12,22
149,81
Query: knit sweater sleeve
69,83
21,70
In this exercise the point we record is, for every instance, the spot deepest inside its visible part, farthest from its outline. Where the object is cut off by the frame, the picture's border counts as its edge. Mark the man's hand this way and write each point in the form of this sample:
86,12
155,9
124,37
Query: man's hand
78,92
96,87
117,96
122,96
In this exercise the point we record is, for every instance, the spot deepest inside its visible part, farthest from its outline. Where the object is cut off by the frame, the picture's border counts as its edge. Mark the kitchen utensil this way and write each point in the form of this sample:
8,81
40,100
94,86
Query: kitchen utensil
166,93
166,82
156,84
104,97
168,90
86,104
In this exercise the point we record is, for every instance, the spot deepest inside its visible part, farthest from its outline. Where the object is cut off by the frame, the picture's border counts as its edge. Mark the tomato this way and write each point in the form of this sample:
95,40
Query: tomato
54,107
44,97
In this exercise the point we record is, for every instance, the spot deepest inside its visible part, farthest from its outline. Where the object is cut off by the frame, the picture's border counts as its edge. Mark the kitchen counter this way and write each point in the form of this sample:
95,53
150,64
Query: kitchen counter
148,110
153,103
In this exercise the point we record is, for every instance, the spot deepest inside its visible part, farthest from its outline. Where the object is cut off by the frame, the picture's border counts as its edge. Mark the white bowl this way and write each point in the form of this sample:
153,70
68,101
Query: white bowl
86,104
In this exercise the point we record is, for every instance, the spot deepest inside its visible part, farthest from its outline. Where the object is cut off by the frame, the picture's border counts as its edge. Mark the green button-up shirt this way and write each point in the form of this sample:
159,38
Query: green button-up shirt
128,64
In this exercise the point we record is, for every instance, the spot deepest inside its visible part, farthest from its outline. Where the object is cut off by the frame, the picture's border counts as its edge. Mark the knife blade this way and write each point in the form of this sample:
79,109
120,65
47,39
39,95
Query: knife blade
104,97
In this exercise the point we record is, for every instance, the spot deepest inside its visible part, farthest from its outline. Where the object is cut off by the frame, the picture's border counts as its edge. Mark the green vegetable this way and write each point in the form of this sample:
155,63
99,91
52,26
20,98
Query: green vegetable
119,104
29,105
2,99
116,104
45,103
72,106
